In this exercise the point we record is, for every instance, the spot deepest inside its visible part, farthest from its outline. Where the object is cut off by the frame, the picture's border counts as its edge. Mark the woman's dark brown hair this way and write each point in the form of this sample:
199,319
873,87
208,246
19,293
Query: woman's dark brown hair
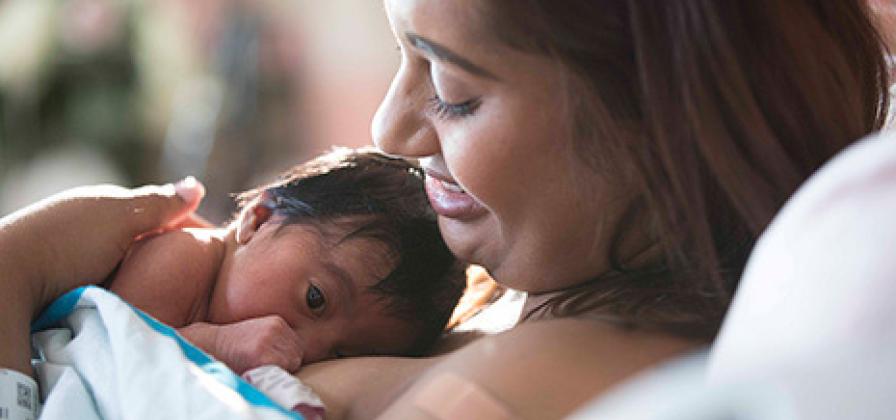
715,111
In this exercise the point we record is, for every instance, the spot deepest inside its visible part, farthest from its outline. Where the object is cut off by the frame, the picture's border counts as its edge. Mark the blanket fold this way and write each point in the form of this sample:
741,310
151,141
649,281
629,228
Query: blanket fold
98,357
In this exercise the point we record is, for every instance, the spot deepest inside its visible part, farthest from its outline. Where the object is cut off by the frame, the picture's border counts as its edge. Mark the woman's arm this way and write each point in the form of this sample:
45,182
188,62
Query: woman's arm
538,370
72,239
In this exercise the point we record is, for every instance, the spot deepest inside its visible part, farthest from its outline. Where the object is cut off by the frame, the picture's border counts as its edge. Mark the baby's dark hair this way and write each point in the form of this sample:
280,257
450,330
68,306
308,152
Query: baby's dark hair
379,197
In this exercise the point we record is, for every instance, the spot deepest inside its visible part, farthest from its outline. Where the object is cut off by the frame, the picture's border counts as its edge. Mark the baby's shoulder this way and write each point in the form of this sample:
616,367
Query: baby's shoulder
189,240
182,247
191,253
166,274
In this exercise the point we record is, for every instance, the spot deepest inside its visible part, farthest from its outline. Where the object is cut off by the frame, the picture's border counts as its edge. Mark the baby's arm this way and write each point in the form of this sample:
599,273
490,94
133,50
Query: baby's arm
248,344
169,276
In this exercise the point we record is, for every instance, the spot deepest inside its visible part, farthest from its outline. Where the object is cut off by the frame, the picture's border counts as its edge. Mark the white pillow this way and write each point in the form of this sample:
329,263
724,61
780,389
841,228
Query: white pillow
822,278
811,333
815,312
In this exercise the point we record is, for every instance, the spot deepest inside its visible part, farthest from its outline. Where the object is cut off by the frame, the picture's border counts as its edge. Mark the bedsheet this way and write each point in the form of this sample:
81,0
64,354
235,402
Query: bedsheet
97,357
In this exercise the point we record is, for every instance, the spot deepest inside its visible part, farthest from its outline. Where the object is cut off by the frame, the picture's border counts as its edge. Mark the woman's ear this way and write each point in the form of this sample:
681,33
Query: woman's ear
251,218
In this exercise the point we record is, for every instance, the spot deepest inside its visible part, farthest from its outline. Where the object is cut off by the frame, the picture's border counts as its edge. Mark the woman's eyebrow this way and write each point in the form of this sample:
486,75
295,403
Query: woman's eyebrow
444,54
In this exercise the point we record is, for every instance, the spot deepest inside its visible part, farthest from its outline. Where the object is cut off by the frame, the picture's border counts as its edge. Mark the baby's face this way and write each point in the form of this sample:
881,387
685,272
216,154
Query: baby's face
318,285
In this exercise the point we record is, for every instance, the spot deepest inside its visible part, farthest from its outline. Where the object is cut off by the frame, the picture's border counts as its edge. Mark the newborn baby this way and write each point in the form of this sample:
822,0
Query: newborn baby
341,257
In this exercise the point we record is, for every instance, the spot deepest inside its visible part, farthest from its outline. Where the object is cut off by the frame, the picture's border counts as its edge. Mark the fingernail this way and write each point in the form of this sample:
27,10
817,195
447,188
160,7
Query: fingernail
189,189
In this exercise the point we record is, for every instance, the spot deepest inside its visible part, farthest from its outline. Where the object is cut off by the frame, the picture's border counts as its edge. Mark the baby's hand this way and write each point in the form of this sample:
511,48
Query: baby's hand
249,344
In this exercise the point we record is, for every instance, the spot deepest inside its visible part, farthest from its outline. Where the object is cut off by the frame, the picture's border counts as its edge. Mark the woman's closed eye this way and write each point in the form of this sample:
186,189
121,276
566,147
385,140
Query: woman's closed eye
447,111
315,299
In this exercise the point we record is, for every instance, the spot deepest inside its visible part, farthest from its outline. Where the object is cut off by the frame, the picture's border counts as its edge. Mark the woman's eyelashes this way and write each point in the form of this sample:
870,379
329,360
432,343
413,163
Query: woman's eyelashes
448,111
315,299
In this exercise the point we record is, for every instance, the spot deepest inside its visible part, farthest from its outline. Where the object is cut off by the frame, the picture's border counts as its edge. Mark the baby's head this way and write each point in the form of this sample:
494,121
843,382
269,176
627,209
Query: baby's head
346,248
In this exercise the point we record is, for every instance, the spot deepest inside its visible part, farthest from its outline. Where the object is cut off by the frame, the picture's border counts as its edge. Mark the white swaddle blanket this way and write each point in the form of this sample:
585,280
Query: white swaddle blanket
100,358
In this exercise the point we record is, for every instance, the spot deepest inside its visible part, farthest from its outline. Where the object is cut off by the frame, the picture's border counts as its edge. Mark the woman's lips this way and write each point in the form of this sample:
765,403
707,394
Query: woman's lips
450,200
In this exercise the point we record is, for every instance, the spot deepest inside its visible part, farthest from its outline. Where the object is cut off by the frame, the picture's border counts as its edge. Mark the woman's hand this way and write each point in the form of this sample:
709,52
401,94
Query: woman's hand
71,239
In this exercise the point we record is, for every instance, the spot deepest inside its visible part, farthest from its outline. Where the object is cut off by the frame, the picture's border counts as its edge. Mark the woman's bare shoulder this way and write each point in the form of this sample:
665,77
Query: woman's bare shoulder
543,369
546,369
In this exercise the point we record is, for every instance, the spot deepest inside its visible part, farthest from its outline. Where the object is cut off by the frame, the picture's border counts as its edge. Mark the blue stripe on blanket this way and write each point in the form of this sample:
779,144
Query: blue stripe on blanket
60,308
65,304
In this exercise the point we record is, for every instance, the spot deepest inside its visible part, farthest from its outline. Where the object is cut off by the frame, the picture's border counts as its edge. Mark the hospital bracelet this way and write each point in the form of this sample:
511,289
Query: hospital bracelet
18,396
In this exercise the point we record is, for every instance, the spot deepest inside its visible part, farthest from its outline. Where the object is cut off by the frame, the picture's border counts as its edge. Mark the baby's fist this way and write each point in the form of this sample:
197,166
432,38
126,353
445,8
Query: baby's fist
257,342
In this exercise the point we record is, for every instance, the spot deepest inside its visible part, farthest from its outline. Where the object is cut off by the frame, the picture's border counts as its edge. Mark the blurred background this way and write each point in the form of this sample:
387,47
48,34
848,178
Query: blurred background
148,91
231,91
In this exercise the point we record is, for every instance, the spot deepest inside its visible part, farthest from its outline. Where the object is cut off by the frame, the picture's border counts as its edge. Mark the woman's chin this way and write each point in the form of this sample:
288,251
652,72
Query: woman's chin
471,240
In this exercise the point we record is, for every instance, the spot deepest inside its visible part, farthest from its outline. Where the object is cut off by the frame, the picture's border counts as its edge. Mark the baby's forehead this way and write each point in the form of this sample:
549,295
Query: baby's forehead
353,244
355,231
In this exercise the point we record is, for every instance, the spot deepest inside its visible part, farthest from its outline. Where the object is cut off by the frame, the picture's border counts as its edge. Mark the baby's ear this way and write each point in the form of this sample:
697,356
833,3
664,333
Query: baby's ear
252,217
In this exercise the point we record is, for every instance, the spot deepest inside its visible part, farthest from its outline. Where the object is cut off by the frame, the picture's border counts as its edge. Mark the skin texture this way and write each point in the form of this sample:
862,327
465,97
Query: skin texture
295,257
545,224
241,293
576,358
170,275
37,271
538,370
885,13
548,215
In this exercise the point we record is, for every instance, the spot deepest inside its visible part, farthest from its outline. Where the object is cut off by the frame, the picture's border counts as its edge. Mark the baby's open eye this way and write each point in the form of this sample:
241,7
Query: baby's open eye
315,298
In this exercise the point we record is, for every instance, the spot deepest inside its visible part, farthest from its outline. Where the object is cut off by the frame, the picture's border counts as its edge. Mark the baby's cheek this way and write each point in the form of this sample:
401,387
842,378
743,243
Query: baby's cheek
243,300
315,351
263,301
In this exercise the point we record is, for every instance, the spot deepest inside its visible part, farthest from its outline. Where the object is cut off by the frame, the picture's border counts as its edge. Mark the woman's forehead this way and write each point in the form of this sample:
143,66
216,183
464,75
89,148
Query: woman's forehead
457,24
460,29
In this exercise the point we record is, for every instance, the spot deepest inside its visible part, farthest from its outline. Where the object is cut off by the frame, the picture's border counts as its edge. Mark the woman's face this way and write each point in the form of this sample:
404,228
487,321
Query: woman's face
491,127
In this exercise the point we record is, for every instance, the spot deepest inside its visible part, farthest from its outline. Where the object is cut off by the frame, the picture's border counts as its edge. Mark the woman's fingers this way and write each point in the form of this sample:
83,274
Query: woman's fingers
163,206
139,210
79,236
71,239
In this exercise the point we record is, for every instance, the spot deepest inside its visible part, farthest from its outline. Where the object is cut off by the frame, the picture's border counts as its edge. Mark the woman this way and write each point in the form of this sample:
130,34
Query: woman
615,159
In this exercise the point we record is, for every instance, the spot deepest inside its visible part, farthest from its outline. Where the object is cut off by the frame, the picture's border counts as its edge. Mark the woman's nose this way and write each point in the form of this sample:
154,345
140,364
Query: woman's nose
400,126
